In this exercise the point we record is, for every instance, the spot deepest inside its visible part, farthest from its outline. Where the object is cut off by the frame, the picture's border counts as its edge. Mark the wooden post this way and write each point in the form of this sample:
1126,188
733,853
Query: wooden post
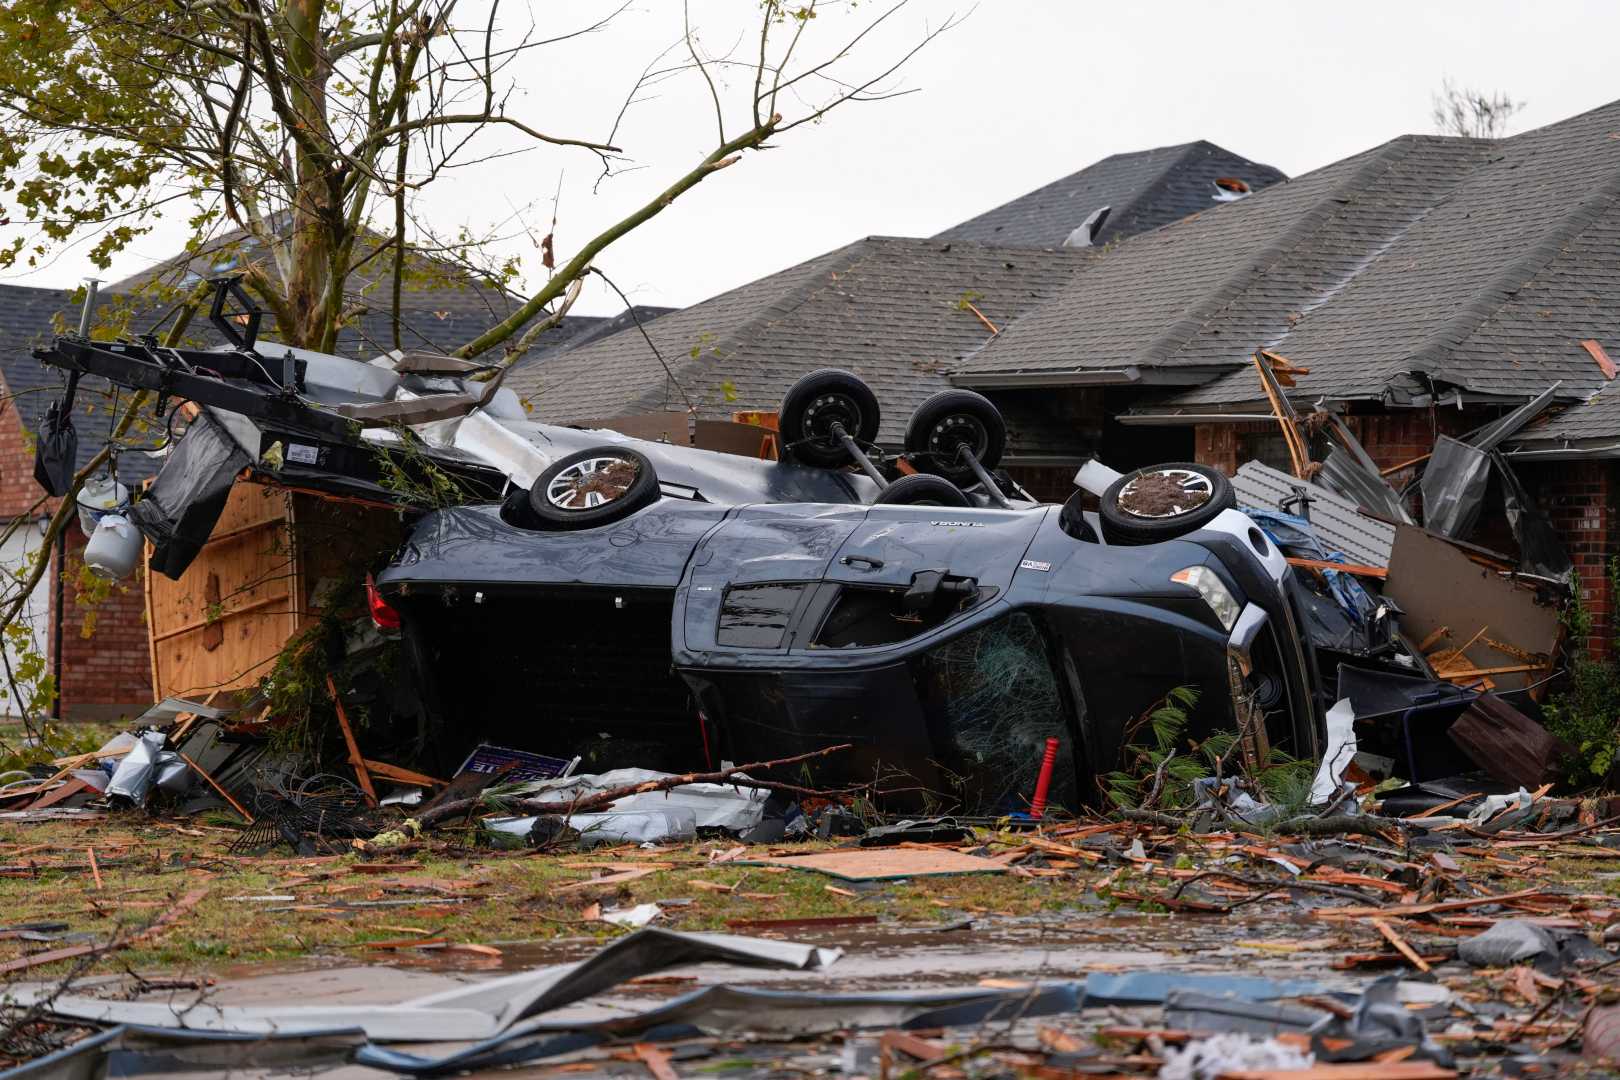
355,759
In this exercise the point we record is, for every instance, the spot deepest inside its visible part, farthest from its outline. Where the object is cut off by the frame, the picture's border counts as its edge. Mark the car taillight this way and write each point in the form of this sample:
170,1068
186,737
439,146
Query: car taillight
385,617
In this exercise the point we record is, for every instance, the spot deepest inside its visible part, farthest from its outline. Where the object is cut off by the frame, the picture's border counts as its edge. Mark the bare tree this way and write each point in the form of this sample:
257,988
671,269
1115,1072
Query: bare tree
304,131
1470,113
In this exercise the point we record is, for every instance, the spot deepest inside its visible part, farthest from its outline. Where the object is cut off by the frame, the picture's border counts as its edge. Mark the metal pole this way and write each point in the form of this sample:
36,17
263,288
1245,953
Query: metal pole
89,308
858,454
986,481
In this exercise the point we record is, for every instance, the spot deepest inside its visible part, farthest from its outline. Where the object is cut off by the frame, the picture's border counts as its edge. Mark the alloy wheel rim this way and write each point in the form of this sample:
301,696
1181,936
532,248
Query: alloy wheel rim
593,482
1193,483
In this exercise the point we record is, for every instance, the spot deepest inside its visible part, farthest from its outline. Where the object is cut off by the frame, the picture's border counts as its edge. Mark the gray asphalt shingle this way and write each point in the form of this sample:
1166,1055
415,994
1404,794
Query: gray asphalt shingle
1425,262
1145,190
894,311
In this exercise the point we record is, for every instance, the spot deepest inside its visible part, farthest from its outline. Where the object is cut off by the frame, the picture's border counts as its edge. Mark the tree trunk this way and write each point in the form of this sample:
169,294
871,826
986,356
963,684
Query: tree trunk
314,213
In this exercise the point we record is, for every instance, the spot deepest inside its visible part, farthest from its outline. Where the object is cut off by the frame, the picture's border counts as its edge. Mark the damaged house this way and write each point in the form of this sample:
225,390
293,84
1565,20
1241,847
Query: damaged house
898,312
1427,286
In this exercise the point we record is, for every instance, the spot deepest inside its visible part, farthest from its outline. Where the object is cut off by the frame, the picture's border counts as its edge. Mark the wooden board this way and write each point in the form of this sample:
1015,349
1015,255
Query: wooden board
1437,585
267,560
197,647
885,864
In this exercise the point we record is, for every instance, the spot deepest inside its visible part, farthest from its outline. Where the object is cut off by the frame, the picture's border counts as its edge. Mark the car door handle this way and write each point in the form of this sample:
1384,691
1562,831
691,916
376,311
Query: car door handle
865,560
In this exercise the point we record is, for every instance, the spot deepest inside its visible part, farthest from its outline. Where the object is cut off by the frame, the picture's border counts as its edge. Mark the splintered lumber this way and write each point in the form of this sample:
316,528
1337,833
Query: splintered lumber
1275,373
402,776
198,769
1400,944
1344,568
1428,909
355,758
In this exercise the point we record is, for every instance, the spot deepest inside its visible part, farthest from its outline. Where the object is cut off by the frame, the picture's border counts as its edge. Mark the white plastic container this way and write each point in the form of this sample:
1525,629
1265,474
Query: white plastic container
99,496
114,548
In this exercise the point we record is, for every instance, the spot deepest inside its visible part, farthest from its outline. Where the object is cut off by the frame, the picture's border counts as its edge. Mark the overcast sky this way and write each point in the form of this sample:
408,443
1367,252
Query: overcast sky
1022,92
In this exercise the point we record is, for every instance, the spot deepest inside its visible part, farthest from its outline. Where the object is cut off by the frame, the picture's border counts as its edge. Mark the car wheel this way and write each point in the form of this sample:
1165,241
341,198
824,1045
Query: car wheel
817,402
921,489
1162,502
945,423
593,487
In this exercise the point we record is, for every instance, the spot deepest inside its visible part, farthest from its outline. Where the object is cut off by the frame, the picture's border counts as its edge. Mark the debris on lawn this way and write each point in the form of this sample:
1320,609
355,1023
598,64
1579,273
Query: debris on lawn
1208,777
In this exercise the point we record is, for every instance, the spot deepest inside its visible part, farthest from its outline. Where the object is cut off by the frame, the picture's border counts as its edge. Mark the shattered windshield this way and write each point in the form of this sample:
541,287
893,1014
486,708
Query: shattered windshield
992,699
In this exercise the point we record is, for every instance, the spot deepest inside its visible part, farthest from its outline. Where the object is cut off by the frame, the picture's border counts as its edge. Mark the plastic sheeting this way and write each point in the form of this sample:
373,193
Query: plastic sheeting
185,500
1541,552
477,1011
727,1010
56,449
712,806
1343,617
1453,487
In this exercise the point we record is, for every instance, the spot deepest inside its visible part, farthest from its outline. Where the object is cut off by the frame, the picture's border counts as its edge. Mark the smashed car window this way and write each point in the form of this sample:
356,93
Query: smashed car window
867,616
995,699
757,616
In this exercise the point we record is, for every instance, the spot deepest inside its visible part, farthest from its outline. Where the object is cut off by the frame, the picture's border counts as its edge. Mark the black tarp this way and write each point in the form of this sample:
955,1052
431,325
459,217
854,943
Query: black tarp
185,500
56,451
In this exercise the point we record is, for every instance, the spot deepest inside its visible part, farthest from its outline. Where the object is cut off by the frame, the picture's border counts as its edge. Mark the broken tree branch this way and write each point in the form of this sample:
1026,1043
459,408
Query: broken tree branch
607,798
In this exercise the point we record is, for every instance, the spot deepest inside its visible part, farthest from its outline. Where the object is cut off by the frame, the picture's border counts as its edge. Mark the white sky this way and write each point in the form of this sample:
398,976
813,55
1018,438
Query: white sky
1024,91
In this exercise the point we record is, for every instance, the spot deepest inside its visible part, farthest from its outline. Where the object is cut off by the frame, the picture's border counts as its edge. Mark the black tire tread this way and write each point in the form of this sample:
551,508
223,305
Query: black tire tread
790,418
942,404
914,489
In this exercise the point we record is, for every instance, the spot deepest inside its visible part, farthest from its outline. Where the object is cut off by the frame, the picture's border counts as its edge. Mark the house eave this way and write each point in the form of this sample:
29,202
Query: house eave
1129,375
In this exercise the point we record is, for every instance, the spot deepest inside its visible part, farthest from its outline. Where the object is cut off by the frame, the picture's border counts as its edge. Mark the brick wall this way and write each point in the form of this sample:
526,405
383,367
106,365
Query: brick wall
1389,438
1580,497
17,488
106,664
110,672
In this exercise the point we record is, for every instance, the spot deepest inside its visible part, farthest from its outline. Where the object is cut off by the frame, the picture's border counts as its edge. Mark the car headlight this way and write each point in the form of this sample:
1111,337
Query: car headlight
1213,590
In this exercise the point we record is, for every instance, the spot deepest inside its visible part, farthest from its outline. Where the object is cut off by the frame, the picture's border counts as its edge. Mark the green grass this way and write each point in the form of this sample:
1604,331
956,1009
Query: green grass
516,896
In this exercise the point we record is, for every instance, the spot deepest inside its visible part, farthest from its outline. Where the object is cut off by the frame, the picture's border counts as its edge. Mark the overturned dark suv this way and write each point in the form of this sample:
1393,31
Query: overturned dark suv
640,602
688,607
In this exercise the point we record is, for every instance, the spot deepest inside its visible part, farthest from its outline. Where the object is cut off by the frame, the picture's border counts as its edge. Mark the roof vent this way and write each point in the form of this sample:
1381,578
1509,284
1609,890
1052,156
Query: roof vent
1086,234
1230,189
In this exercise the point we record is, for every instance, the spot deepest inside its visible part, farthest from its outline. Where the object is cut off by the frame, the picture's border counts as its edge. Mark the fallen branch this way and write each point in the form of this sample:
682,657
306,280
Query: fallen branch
1338,825
607,798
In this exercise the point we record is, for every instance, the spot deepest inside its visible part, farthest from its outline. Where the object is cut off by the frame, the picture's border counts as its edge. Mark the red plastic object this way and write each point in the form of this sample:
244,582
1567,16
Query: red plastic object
385,617
1043,783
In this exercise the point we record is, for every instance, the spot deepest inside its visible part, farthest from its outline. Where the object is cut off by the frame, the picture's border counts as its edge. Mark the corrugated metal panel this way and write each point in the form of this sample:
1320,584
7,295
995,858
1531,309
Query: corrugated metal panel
1336,520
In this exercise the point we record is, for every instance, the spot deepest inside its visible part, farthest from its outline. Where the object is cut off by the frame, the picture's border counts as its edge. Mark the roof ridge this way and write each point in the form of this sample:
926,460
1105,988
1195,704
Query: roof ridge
1512,278
1171,340
1160,180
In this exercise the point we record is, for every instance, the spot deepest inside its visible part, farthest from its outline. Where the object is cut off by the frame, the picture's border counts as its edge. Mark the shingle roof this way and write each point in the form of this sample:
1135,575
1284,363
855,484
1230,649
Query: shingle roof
1596,417
894,311
1145,190
1428,260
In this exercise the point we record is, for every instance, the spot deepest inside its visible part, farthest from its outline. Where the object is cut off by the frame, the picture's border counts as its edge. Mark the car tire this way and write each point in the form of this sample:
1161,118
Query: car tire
593,487
813,404
948,420
1129,515
921,489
